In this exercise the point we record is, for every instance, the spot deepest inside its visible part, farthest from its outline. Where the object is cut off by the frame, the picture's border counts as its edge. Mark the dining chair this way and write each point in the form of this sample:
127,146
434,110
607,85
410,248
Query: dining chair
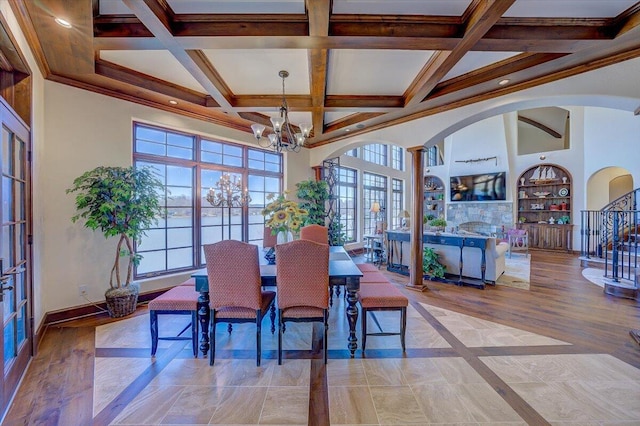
518,240
314,232
268,239
302,274
235,289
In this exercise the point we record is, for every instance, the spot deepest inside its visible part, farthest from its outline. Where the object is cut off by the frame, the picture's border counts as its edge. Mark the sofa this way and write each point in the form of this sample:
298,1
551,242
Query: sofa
495,254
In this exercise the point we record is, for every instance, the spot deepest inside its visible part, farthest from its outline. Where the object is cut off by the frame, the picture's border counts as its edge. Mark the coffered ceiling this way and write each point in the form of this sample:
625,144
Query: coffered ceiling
354,65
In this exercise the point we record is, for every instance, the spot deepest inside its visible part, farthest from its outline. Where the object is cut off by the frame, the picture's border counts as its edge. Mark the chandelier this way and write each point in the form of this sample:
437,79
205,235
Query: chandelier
228,193
283,136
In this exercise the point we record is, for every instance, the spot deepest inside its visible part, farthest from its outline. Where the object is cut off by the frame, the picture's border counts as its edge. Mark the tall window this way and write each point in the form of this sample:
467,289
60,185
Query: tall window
397,203
188,165
375,153
374,188
433,156
397,157
347,192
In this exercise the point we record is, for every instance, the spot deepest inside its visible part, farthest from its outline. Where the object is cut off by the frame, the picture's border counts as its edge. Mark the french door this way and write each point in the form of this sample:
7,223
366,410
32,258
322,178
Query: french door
15,253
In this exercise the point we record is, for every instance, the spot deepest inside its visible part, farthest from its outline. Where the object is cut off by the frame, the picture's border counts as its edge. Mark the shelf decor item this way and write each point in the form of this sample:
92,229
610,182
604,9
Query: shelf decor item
563,192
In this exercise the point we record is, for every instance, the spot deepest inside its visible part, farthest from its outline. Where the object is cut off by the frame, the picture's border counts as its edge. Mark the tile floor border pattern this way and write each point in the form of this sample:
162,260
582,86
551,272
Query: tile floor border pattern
319,407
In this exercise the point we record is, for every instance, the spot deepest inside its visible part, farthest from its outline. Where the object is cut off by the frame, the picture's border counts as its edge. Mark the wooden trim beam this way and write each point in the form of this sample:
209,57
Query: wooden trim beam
152,16
482,16
319,12
540,126
351,120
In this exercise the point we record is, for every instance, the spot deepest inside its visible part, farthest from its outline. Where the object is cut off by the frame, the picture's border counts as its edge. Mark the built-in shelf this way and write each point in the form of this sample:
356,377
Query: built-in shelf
547,228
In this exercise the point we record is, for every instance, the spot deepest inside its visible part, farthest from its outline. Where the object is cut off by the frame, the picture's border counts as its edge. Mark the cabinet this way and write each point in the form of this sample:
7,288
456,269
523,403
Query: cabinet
544,206
433,196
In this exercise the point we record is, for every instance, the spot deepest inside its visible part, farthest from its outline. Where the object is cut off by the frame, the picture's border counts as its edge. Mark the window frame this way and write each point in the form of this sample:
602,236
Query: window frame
198,192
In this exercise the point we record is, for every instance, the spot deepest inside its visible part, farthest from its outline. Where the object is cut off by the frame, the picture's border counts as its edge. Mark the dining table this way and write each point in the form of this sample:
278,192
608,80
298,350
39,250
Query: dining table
342,271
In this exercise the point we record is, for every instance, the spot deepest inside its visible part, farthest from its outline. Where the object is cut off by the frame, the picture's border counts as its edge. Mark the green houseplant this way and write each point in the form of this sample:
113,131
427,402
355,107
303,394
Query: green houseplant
314,194
438,223
121,202
430,264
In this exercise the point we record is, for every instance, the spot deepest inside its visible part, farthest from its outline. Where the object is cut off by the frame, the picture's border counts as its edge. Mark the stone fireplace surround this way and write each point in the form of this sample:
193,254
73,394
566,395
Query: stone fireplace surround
486,218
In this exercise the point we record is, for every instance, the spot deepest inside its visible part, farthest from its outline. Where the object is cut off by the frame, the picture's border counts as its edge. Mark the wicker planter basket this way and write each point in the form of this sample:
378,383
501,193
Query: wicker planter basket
122,301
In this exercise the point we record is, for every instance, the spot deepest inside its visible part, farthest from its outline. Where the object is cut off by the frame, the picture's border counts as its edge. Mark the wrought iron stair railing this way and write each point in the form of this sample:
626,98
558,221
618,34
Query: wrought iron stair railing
612,235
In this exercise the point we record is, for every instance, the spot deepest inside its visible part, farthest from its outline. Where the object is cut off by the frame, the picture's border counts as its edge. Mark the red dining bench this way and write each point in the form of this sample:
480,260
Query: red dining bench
180,300
383,297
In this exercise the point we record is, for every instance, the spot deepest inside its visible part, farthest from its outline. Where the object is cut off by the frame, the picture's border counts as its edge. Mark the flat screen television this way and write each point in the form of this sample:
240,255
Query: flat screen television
484,187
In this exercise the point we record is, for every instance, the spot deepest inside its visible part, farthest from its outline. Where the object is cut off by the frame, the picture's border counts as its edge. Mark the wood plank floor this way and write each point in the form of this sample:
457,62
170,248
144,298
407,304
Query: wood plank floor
58,386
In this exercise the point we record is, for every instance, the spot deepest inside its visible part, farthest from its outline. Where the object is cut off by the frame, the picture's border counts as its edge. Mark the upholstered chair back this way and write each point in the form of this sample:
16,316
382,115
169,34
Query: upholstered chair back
268,239
317,233
302,272
234,274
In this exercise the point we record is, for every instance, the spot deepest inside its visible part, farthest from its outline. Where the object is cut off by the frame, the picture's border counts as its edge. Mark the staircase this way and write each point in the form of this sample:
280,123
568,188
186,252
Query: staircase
610,236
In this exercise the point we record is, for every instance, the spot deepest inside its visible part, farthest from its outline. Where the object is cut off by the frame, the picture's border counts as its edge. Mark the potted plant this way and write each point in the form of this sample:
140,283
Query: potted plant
283,216
314,194
121,202
438,223
430,264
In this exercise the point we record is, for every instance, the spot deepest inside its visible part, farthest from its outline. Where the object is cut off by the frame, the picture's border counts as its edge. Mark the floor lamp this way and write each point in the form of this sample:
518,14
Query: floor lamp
228,192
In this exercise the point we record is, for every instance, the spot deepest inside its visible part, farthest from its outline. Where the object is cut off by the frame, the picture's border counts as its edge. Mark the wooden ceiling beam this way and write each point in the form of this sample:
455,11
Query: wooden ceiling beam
363,101
539,125
63,46
482,16
493,72
319,12
365,32
155,18
137,79
351,120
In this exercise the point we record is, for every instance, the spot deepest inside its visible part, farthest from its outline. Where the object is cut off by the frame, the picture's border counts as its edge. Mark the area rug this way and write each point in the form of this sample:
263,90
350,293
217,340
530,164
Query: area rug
517,271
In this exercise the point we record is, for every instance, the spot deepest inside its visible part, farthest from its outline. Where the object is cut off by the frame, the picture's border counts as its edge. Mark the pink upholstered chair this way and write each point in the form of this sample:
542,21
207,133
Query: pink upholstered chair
235,288
302,273
268,239
317,233
518,240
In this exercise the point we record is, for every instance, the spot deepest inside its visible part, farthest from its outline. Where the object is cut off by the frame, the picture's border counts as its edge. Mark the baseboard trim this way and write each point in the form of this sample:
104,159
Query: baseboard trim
76,312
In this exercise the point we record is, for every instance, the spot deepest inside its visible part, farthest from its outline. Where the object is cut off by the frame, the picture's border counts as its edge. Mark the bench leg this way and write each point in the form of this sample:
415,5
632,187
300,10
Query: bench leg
194,333
403,327
364,329
153,317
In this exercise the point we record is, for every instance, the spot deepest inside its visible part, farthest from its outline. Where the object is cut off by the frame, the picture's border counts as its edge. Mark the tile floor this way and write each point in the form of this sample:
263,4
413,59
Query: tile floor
440,380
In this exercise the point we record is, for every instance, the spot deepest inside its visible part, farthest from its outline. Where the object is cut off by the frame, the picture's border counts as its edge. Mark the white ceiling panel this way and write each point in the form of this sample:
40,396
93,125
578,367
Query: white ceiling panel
401,7
373,72
474,60
330,117
156,63
117,7
250,72
237,6
113,7
568,8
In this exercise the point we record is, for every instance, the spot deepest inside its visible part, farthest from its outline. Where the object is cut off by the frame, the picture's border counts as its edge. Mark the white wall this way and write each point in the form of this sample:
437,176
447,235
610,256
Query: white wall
85,130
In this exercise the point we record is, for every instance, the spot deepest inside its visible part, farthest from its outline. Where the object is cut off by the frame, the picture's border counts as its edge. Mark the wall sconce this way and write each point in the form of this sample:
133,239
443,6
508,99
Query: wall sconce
543,157
427,170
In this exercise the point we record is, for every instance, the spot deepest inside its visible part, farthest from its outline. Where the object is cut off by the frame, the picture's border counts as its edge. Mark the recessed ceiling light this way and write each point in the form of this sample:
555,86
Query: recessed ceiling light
172,102
360,126
63,22
347,130
503,82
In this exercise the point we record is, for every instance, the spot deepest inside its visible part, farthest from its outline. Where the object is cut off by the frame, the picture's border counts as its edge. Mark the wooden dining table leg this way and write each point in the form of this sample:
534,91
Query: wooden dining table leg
204,316
352,288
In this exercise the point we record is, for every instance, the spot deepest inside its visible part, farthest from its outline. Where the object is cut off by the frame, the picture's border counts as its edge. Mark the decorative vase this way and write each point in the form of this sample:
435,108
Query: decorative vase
284,237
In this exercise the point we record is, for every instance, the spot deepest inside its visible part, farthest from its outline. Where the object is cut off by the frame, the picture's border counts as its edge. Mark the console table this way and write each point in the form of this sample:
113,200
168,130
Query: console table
397,261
